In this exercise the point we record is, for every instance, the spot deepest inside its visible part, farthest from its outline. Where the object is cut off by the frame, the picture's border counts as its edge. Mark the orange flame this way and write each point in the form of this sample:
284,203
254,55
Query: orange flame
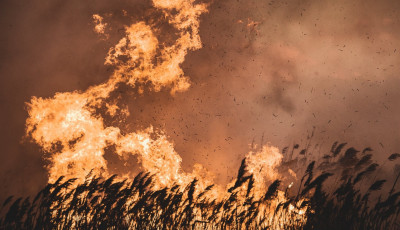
100,25
68,127
262,165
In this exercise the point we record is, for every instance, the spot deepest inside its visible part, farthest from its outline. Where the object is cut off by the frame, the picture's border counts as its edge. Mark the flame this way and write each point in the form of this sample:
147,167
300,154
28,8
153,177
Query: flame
100,26
262,165
69,128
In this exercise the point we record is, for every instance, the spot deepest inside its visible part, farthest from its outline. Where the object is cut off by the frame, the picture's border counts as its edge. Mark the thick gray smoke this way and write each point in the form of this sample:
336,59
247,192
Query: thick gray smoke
269,71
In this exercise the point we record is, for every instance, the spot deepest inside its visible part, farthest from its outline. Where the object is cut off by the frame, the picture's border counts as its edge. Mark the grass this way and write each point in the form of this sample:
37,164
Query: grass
108,203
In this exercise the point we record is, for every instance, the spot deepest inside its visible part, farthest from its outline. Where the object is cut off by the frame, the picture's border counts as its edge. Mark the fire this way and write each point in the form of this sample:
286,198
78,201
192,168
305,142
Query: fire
70,129
67,124
262,165
100,25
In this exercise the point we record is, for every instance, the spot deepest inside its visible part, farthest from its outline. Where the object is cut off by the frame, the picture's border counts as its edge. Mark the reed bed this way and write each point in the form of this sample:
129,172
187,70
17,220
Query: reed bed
109,203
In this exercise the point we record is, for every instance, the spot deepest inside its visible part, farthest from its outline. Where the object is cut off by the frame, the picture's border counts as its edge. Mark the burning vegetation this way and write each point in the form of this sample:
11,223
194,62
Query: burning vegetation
110,203
72,129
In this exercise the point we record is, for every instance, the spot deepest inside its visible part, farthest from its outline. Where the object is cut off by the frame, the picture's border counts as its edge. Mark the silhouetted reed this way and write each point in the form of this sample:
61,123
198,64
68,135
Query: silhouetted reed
109,203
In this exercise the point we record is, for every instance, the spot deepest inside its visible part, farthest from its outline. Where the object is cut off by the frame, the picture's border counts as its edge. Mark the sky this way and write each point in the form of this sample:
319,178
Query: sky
269,72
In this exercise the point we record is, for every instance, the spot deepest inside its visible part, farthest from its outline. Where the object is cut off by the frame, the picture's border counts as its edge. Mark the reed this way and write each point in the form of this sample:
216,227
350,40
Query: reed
108,203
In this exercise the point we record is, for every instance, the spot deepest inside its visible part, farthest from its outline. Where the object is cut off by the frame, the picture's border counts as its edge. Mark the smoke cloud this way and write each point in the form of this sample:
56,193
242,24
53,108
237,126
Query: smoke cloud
268,71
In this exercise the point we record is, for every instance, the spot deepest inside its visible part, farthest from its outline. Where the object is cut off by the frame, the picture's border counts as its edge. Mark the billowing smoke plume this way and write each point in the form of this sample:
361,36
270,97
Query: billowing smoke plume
268,71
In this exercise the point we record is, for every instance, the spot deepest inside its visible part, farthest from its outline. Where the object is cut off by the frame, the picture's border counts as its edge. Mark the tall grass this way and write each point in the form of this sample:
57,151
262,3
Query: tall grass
107,203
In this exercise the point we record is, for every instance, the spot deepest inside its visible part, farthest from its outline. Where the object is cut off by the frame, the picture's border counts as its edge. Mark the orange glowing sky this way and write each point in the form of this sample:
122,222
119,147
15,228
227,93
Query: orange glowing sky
268,71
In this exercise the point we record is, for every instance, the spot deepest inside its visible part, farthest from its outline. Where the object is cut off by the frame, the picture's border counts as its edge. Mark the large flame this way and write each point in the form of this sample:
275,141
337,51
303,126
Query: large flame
70,128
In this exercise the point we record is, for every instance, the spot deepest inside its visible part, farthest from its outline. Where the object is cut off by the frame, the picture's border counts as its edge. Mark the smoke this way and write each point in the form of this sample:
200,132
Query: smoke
275,71
267,72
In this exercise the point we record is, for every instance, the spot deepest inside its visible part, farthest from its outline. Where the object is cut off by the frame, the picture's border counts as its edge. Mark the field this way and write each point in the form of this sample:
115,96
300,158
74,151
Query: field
111,203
